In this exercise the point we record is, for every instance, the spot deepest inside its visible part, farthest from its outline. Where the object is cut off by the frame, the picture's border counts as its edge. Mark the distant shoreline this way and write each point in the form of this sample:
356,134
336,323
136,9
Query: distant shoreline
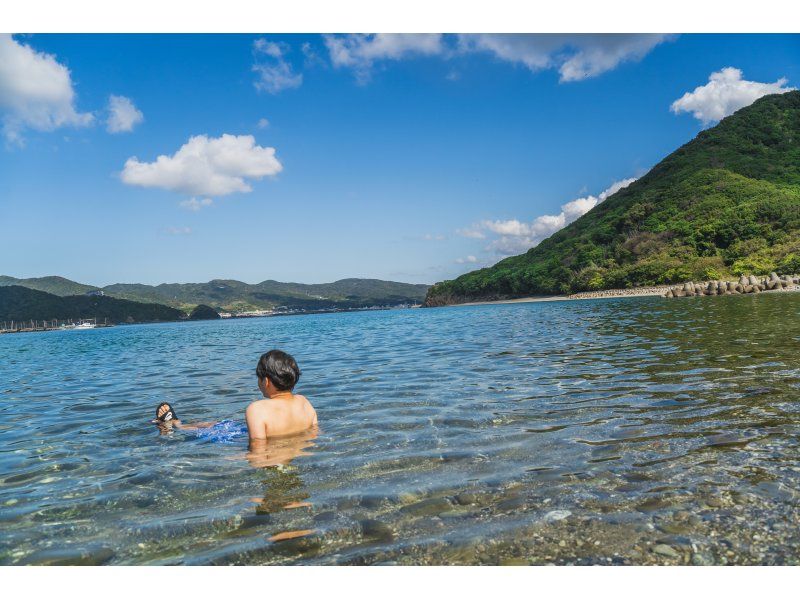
184,320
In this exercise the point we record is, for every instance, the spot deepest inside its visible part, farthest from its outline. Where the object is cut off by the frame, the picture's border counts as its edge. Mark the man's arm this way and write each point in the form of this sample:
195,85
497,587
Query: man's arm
256,428
197,426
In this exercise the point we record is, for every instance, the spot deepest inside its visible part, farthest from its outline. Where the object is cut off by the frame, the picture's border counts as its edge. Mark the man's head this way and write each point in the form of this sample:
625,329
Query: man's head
277,372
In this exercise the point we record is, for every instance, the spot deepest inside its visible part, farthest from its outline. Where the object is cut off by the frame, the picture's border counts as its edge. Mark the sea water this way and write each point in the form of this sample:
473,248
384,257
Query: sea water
597,431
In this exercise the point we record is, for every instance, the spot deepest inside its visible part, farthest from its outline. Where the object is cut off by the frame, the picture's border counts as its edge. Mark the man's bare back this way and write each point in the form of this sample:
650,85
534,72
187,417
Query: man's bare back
282,414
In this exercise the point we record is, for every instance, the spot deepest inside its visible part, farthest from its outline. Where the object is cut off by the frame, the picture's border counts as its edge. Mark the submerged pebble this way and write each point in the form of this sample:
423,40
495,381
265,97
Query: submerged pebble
431,506
666,550
67,556
557,515
376,531
702,559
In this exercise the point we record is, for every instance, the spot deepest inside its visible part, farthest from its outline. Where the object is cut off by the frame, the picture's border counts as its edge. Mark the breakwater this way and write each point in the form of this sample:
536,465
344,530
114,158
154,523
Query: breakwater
745,285
632,292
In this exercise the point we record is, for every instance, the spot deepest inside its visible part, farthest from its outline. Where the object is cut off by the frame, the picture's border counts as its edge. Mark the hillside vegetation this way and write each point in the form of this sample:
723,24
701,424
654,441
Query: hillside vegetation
726,203
235,295
203,312
55,285
21,303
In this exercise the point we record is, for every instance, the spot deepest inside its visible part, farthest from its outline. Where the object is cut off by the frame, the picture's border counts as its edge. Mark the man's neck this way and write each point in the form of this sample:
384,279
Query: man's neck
283,394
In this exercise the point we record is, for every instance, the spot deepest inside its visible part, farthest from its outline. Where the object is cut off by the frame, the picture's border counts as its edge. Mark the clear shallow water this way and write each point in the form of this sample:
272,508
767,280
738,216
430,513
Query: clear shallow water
621,431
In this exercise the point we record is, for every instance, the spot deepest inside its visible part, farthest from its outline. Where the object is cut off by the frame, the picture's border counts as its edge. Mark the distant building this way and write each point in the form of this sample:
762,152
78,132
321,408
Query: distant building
95,293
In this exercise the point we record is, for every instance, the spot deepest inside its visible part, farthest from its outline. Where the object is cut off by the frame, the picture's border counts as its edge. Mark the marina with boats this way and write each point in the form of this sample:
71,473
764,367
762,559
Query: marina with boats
51,325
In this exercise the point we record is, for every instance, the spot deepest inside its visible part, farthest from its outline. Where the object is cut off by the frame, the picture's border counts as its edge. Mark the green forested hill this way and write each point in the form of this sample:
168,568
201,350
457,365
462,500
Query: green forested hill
235,295
55,285
726,203
21,303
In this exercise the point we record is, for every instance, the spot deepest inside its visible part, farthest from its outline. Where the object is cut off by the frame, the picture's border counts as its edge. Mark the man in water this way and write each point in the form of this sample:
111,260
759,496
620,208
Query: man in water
280,413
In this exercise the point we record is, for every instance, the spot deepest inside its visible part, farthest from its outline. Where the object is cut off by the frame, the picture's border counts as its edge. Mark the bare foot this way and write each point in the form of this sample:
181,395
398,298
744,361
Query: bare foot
165,414
162,410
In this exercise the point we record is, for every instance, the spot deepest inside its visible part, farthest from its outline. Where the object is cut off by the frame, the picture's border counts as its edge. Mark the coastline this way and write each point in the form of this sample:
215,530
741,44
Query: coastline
655,291
605,294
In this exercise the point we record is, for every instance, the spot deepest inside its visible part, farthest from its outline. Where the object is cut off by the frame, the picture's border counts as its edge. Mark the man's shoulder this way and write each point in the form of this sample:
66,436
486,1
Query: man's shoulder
259,406
305,400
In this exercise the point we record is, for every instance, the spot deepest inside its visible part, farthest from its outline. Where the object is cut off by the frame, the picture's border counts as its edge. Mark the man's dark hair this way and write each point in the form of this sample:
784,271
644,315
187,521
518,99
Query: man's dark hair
280,368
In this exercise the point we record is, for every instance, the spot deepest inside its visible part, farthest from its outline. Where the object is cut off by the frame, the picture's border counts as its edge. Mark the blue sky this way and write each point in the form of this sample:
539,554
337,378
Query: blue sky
402,158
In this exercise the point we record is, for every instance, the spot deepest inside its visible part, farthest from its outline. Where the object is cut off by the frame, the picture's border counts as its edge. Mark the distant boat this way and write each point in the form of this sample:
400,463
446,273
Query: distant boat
85,325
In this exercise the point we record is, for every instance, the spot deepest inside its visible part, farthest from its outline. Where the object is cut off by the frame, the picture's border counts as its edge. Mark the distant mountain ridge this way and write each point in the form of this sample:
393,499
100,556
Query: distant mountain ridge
349,293
726,203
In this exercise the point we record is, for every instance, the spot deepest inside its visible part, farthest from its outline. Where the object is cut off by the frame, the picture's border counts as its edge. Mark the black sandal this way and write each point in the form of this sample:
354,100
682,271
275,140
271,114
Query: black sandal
168,415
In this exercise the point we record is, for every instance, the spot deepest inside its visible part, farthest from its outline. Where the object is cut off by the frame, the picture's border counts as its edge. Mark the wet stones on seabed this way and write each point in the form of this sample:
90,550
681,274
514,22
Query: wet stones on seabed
745,285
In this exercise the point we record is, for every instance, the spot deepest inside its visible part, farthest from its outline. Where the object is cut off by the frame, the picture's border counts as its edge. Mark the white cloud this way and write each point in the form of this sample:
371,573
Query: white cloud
195,205
360,51
578,207
505,246
432,237
576,57
724,94
615,186
36,91
470,259
515,236
209,167
472,232
312,59
273,49
123,116
507,227
274,72
263,123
